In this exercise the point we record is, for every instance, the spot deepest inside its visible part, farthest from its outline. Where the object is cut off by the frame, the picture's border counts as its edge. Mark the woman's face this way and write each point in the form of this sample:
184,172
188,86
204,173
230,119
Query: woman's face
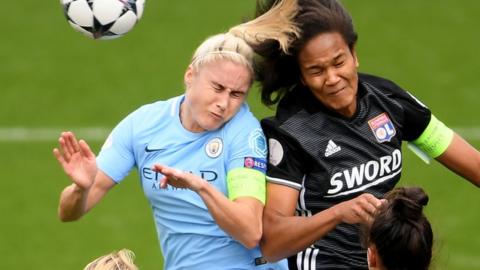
215,93
329,68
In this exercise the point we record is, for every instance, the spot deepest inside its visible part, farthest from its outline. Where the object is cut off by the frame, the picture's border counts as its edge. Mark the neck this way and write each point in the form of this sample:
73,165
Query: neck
186,118
349,111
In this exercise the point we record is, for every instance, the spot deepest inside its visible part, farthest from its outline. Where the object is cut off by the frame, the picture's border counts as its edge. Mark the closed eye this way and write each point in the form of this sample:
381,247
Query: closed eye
217,87
237,94
339,60
315,71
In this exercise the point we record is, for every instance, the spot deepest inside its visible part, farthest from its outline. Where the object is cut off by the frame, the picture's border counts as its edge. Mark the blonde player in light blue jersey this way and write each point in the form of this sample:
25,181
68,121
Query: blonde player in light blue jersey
201,156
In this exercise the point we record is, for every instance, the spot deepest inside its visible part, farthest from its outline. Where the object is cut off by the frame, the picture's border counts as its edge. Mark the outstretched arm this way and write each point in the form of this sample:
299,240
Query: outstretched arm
440,142
463,159
285,234
240,218
89,184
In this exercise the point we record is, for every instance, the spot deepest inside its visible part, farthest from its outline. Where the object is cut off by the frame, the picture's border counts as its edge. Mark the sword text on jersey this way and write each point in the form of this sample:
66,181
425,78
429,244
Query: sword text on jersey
367,174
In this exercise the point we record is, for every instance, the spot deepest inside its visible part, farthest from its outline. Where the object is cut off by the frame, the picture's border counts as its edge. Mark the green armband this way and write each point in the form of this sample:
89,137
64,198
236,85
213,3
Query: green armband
435,139
245,182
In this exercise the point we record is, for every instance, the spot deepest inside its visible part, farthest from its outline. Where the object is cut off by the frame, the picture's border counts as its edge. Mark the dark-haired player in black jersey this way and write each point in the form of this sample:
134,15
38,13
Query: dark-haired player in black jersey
335,142
400,236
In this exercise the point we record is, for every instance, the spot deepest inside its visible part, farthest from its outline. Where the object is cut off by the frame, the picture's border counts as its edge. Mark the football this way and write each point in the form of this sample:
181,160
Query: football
103,19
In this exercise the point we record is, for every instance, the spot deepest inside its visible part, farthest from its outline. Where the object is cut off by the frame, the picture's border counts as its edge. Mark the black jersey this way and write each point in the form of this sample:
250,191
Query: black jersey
331,159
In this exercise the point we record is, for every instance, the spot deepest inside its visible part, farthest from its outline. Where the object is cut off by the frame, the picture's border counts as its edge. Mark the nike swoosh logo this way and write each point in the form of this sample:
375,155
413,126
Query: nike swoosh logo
149,150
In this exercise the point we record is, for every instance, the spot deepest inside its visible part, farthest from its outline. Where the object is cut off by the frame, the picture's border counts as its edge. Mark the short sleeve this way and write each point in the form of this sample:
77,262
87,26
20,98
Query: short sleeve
246,141
116,158
246,161
417,116
286,164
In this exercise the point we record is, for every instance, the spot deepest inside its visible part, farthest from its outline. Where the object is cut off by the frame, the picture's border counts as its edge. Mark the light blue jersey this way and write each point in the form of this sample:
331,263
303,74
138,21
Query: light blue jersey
189,236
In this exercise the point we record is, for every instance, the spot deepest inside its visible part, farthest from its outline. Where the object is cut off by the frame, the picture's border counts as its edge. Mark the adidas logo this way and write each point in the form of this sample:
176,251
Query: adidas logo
332,148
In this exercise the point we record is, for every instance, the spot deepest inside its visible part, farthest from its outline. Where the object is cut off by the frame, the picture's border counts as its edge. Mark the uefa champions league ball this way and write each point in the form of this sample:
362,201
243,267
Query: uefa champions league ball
103,19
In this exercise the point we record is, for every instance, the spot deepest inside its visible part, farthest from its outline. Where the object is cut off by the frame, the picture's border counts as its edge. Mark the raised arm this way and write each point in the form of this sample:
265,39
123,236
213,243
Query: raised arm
240,218
285,234
89,184
76,201
463,159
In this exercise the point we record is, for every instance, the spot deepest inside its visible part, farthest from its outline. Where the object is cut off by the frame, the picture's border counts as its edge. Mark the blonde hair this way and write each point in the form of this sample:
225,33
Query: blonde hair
223,47
117,260
275,24
235,45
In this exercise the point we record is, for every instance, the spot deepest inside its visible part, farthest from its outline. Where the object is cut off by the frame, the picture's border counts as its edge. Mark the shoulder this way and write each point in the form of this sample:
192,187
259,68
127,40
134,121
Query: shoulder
389,89
290,110
297,99
385,86
243,133
159,107
156,111
243,119
378,82
270,124
243,126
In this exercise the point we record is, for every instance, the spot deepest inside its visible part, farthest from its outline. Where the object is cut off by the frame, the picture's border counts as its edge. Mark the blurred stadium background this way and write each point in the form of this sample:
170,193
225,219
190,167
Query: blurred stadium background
53,78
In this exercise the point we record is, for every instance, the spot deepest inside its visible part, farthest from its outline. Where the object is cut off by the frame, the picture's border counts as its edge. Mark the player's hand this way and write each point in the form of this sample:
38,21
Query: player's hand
361,209
178,179
76,159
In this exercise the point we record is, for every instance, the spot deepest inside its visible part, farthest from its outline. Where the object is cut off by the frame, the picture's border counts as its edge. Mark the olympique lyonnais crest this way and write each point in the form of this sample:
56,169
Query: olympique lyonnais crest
382,127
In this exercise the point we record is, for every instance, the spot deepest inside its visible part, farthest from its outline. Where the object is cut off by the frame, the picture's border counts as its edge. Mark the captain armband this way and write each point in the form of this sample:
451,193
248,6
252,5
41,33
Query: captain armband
435,139
246,182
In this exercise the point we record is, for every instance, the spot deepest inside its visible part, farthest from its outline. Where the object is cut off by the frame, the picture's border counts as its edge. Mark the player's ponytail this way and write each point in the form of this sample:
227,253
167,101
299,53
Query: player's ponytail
407,203
276,25
401,233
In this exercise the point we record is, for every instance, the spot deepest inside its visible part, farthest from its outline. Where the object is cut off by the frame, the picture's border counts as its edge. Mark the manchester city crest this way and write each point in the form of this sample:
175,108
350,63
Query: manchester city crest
214,147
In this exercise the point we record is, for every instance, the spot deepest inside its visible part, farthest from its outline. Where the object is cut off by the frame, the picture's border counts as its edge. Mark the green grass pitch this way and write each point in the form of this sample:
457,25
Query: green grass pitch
53,77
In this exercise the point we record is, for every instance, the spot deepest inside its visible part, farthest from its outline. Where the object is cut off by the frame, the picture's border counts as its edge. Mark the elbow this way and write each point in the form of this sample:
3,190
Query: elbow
252,240
65,217
270,244
268,247
267,252
251,244
252,235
